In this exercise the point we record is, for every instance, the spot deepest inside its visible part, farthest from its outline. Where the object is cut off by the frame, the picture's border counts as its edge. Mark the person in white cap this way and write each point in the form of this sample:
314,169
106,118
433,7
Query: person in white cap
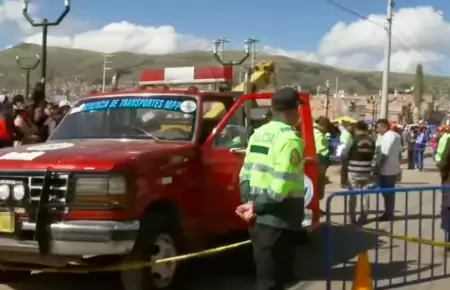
64,107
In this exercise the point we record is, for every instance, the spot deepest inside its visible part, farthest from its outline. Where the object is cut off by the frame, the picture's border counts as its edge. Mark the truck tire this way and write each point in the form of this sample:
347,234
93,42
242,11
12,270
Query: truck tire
13,275
159,237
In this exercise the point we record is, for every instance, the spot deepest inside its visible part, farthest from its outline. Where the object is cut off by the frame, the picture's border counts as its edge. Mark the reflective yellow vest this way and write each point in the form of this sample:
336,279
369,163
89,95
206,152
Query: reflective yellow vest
441,146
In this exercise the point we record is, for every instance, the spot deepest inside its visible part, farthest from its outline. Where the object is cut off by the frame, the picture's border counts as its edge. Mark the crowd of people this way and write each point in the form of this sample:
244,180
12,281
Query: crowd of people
29,120
370,157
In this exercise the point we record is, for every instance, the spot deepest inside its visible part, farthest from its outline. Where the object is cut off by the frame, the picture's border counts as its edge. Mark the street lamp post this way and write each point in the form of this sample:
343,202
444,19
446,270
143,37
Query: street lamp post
251,42
219,57
27,67
247,83
45,23
220,44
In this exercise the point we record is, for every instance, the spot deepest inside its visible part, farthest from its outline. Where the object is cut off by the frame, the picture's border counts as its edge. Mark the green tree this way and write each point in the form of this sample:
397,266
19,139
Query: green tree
419,86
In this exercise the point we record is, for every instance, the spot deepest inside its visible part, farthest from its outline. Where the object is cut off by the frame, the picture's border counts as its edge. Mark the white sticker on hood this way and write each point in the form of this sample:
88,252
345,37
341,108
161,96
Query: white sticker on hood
188,106
28,156
50,147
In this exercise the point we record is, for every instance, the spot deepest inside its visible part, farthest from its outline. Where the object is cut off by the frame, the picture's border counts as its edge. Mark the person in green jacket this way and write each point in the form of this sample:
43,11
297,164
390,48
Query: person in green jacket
323,153
346,133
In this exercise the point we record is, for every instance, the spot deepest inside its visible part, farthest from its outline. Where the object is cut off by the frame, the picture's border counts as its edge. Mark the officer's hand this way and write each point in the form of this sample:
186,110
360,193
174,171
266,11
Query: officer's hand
246,211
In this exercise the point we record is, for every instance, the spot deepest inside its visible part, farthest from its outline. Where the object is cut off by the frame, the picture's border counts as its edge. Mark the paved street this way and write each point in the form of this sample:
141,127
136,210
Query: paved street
398,262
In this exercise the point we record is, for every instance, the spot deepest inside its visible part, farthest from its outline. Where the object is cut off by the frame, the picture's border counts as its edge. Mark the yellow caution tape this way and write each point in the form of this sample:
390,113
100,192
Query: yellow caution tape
410,239
129,266
208,252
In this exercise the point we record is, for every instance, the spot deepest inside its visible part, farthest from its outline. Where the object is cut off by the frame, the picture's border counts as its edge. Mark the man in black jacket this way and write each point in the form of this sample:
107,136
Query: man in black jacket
357,170
411,142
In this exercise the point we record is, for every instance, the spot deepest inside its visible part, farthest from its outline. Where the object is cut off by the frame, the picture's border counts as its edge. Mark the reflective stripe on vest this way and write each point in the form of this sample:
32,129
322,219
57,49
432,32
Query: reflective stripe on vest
267,169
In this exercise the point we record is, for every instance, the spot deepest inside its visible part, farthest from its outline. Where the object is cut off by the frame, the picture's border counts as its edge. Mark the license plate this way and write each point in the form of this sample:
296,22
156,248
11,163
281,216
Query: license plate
7,223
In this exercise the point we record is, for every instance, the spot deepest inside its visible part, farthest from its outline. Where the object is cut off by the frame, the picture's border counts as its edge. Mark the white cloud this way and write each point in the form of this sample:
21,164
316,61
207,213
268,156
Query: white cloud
419,37
126,36
11,16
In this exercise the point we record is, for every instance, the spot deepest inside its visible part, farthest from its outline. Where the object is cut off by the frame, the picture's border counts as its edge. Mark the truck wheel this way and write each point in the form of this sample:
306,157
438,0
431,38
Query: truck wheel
13,275
159,238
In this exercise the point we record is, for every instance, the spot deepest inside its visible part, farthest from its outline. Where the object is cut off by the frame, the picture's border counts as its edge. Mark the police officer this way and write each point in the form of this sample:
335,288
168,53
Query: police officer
441,146
272,190
357,171
443,164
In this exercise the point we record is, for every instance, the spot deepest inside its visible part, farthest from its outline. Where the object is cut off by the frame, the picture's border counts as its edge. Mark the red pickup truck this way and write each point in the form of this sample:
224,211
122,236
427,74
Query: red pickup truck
136,175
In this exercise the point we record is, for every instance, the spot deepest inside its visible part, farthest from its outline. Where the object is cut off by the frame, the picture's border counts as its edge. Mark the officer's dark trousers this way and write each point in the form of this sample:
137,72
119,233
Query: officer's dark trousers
274,254
388,181
410,158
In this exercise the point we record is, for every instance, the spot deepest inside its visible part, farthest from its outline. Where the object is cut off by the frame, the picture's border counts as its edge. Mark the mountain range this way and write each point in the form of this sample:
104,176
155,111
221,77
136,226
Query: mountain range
65,64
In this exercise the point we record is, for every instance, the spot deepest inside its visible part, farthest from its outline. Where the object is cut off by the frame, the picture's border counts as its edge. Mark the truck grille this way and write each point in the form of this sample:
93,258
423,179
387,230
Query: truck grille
34,181
58,187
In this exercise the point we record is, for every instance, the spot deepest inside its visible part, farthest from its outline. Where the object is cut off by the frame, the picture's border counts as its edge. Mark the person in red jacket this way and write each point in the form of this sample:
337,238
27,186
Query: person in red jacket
6,123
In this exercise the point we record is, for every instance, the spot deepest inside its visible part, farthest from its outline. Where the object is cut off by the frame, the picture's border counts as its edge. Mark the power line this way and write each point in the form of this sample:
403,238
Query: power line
359,15
351,11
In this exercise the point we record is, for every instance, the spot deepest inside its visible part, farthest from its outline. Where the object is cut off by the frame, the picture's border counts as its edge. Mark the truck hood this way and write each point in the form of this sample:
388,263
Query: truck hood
101,155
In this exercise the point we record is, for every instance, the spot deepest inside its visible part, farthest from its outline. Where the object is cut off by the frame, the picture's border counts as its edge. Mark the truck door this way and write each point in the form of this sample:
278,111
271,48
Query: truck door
223,155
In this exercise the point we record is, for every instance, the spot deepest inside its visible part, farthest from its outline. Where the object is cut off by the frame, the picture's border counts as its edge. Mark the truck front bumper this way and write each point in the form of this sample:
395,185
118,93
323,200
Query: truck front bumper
76,238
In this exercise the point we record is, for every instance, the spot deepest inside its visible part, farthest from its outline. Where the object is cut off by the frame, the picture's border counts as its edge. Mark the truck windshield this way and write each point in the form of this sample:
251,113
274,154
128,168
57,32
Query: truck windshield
170,118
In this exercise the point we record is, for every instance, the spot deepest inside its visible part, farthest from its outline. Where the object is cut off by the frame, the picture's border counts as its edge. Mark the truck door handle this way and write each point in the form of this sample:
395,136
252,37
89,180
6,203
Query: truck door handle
237,150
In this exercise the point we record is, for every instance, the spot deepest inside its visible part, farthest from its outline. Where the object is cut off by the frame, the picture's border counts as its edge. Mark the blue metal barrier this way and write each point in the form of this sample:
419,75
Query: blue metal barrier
411,248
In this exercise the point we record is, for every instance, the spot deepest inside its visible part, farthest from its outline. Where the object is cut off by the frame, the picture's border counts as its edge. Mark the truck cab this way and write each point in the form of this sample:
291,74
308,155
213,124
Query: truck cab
133,176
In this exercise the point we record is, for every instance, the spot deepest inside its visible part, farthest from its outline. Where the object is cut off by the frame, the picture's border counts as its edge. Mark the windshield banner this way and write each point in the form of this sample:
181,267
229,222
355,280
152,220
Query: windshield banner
169,104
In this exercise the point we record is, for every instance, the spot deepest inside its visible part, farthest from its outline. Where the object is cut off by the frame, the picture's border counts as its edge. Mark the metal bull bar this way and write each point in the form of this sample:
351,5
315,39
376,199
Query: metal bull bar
43,216
410,249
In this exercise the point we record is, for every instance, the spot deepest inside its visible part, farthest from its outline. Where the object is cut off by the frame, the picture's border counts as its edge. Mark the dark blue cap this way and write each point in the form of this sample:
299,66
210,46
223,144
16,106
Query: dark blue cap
285,99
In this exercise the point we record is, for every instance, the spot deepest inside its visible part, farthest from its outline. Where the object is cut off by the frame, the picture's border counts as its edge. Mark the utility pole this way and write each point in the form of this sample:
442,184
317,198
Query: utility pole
106,62
252,44
337,86
45,23
387,66
27,67
336,97
327,100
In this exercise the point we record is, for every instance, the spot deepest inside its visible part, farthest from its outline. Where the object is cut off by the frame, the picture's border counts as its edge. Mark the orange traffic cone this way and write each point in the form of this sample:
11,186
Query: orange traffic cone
363,273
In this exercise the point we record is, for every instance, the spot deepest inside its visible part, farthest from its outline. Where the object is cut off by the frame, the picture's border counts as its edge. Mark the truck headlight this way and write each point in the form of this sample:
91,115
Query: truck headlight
102,191
18,192
96,186
5,191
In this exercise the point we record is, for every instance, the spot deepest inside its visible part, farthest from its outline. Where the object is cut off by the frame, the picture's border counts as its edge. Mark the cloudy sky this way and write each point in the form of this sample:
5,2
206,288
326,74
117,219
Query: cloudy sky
312,30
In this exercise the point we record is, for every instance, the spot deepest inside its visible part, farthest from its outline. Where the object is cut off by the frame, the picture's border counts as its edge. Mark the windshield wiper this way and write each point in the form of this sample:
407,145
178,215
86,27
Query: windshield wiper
140,130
